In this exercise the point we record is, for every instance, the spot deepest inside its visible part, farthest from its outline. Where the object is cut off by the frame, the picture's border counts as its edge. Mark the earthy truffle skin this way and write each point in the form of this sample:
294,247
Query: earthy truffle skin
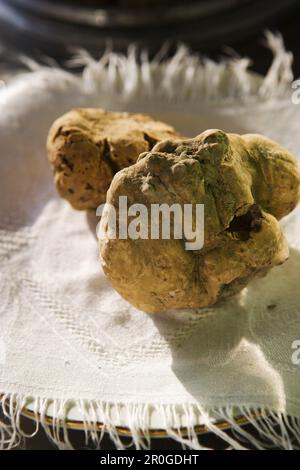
86,147
246,184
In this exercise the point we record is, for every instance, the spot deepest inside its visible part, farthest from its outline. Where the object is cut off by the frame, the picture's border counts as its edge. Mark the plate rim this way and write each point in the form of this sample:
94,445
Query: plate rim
200,429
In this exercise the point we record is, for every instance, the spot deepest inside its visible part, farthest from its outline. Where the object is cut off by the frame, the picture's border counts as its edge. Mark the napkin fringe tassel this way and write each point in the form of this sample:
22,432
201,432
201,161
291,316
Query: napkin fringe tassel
269,429
183,77
186,76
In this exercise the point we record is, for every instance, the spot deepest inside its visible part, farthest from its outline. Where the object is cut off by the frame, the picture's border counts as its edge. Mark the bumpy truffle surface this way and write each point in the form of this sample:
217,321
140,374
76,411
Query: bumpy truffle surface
86,147
246,184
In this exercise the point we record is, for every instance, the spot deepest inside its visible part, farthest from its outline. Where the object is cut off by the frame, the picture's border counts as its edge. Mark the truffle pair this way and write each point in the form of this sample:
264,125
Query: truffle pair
246,184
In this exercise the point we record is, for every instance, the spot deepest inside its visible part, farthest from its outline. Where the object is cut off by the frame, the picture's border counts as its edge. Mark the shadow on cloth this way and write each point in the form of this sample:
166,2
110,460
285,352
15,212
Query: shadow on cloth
92,222
240,353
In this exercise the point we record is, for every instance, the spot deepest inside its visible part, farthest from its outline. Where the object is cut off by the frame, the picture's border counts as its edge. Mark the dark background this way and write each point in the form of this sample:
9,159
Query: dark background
289,26
251,45
240,28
